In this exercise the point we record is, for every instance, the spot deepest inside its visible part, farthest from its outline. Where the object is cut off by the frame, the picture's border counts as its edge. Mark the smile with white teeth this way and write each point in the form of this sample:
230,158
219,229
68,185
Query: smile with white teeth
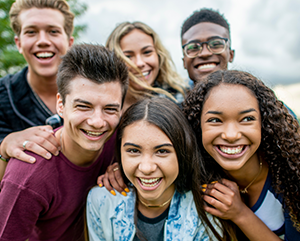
93,133
207,66
44,55
149,182
146,73
231,150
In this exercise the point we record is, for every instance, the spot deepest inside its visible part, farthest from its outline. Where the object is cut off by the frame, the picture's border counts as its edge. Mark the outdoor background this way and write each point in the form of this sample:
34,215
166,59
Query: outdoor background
265,33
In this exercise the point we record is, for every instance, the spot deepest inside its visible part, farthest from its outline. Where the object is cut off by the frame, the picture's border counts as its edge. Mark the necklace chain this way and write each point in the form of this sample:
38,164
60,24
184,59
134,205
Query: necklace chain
245,190
156,206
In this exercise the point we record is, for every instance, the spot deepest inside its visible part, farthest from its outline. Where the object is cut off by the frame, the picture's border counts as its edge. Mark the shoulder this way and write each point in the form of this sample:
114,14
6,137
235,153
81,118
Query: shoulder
100,197
183,220
40,174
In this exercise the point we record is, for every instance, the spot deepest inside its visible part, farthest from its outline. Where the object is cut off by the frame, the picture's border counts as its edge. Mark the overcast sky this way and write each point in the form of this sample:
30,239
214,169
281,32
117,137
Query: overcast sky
265,33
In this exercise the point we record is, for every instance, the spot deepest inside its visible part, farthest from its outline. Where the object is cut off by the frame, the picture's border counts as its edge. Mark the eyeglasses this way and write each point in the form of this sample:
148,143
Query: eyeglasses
215,46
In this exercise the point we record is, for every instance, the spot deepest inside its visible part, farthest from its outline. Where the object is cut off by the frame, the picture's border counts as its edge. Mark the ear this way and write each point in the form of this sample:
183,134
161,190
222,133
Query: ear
18,43
59,105
71,41
231,55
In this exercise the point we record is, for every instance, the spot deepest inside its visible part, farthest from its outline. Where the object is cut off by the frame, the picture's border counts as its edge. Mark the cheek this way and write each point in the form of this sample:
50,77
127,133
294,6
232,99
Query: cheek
128,167
114,120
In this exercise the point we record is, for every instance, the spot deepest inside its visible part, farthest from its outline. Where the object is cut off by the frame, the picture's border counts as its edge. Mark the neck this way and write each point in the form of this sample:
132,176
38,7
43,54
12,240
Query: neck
252,176
42,85
73,152
152,209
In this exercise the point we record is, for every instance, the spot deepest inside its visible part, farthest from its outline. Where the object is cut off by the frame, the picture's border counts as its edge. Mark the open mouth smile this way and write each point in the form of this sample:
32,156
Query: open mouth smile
231,151
44,55
149,182
206,66
93,133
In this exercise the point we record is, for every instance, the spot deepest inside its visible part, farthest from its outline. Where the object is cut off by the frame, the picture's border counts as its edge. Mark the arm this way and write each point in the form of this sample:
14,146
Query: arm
40,140
227,204
112,178
20,209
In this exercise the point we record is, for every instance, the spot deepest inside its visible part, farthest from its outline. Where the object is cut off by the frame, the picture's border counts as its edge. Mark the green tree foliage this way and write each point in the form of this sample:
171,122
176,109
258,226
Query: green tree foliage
11,60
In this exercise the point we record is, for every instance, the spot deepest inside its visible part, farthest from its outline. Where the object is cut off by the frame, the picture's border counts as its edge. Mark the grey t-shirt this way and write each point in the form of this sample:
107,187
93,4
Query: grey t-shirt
152,229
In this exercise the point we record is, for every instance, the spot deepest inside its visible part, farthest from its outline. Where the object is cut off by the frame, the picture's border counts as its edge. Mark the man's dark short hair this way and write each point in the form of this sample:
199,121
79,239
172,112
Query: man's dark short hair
204,15
93,62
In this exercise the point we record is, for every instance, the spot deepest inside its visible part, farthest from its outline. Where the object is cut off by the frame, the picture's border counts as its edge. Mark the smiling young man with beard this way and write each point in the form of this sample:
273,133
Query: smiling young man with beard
45,201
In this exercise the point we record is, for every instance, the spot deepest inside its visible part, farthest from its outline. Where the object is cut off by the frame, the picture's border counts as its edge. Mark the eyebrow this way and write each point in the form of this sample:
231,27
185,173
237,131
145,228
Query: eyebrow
35,26
89,103
198,41
138,146
130,51
82,101
219,112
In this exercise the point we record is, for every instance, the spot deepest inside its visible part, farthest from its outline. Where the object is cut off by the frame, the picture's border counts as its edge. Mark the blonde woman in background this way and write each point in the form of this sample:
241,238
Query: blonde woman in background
151,69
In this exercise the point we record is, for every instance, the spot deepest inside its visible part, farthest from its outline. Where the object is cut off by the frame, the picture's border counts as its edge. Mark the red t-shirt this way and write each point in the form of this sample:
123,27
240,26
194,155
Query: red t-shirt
45,200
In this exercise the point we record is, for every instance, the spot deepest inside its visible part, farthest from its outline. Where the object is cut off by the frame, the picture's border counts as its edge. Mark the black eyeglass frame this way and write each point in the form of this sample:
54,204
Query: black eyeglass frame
201,45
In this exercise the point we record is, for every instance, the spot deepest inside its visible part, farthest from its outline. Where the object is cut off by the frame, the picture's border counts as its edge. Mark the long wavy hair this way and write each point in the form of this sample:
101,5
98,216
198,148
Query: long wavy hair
280,139
167,73
168,117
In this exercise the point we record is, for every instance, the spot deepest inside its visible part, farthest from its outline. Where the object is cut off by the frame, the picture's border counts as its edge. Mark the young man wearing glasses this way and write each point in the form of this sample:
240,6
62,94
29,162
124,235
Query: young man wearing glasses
205,38
206,45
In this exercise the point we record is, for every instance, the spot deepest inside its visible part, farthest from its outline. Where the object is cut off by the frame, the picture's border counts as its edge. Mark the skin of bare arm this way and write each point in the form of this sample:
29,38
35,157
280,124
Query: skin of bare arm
227,204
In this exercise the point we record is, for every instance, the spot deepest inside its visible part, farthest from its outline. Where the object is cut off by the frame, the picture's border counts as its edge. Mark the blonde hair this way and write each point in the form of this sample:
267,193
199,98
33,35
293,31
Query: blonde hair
167,73
60,5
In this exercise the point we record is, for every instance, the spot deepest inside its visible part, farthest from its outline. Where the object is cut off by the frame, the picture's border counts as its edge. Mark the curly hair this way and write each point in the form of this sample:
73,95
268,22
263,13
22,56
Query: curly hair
168,117
167,73
205,15
280,139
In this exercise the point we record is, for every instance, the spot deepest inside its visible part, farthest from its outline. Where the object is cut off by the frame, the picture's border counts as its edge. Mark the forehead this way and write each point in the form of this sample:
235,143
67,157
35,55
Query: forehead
41,16
135,38
144,132
204,31
230,96
85,89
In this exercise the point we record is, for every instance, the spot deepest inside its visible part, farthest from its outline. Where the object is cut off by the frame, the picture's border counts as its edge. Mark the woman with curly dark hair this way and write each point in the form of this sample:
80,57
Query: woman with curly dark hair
251,148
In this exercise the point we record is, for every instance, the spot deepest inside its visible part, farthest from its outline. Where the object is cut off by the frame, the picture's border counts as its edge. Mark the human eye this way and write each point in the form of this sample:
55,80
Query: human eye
30,32
132,151
216,43
214,120
148,51
111,110
82,107
163,151
54,31
248,118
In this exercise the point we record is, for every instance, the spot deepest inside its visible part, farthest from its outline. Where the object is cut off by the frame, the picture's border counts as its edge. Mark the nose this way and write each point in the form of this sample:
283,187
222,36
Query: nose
43,39
139,61
231,133
147,165
205,52
96,120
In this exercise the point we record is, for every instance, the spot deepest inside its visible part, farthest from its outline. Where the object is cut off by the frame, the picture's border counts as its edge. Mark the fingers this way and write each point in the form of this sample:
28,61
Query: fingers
223,199
113,179
39,139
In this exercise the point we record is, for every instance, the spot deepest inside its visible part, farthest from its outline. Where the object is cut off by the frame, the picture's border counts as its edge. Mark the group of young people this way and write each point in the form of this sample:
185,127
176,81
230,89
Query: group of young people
217,162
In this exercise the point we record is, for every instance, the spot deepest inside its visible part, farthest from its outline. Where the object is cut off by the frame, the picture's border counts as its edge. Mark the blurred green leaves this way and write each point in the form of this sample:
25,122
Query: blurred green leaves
11,60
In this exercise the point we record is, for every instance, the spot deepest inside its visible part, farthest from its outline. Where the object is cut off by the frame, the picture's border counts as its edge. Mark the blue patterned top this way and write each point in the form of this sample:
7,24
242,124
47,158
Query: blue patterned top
112,217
